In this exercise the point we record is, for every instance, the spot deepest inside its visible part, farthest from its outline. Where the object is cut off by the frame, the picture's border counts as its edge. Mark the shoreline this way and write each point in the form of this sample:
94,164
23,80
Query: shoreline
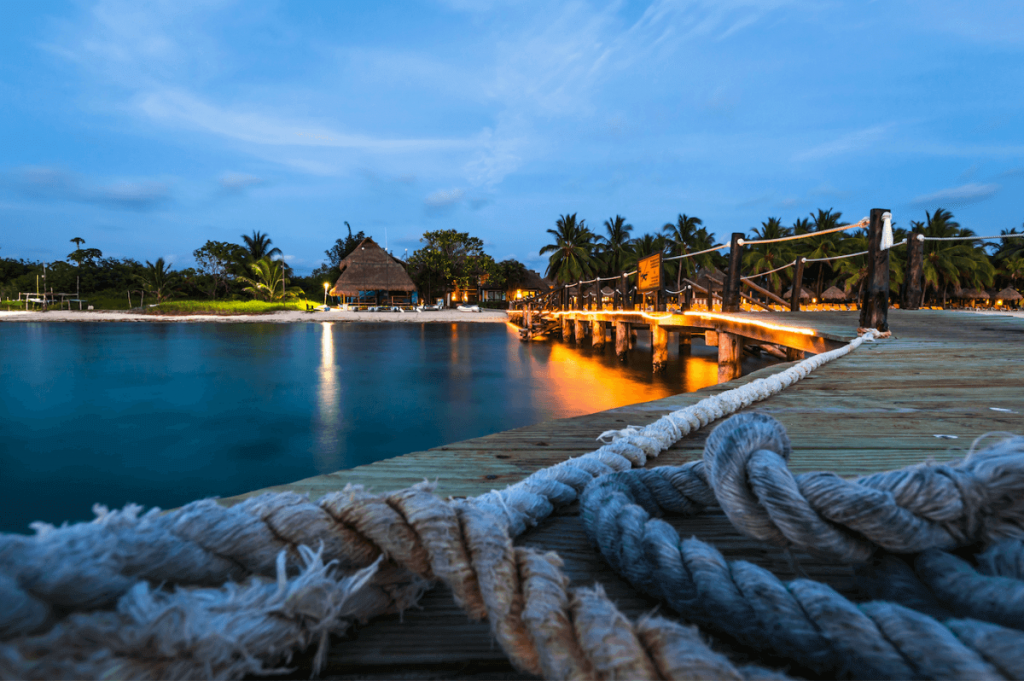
282,317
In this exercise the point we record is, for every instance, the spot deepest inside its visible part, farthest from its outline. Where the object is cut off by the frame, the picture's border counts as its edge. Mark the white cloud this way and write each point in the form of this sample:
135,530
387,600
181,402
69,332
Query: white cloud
856,141
957,196
442,199
54,184
236,183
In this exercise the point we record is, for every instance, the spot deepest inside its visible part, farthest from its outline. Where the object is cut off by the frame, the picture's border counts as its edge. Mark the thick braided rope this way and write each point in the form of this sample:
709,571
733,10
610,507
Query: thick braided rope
227,632
801,620
978,500
89,565
544,626
944,585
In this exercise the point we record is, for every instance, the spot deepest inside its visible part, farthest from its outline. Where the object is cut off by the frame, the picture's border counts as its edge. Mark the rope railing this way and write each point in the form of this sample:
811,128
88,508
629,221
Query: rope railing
777,269
862,223
922,237
690,255
849,255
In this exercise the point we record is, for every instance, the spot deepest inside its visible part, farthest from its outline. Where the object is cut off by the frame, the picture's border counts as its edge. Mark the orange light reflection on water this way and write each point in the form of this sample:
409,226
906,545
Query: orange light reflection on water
328,403
584,381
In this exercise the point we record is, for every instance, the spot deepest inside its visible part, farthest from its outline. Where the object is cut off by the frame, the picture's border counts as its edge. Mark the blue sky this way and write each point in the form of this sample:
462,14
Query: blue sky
148,128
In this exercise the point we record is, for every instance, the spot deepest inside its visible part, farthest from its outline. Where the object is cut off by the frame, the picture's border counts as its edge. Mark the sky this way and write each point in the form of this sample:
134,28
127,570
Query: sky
149,128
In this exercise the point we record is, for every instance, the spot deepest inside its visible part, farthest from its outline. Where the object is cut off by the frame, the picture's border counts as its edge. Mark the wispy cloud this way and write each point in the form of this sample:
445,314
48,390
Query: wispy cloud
856,141
238,183
54,184
955,197
444,198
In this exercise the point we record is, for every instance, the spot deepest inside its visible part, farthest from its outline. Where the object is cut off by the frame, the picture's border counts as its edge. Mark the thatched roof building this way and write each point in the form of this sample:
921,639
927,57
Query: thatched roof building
370,268
971,294
833,294
534,282
804,293
1008,295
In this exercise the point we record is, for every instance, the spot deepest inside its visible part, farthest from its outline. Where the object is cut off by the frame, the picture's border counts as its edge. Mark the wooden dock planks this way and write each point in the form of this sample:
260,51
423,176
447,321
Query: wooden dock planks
878,408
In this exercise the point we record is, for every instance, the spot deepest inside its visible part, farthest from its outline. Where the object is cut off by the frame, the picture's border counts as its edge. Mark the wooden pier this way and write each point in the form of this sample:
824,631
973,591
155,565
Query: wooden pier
949,374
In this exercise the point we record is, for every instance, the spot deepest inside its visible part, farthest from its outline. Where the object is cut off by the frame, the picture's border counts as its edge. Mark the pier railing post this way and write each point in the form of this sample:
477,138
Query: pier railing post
627,295
798,285
874,309
731,295
579,294
915,272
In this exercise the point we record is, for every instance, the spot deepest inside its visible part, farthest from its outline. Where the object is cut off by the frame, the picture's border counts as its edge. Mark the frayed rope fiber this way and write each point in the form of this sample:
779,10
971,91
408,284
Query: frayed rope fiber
929,506
802,620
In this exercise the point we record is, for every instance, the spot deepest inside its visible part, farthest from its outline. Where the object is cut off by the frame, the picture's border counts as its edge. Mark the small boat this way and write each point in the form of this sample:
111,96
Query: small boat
468,308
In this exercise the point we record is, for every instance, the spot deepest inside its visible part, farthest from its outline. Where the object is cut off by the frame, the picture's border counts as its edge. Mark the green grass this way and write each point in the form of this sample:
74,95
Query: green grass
224,307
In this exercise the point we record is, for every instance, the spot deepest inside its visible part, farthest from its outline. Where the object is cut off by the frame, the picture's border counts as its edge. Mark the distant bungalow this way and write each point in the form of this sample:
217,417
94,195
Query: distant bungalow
532,284
371,275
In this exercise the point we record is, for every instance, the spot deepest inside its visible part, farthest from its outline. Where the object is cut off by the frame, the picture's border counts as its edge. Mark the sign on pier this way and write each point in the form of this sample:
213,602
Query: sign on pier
649,273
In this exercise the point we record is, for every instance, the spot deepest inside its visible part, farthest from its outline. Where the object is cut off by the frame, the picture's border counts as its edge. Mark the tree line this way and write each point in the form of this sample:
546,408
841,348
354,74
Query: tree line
579,253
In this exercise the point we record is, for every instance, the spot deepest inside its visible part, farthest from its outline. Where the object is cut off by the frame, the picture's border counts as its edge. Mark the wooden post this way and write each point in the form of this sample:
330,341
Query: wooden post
597,334
711,339
874,309
566,328
915,272
579,294
731,296
527,318
798,285
794,355
730,356
621,340
687,300
710,294
659,347
580,332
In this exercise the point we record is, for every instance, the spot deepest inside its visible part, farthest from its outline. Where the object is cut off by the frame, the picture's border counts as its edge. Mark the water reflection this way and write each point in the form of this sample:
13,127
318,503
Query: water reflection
329,405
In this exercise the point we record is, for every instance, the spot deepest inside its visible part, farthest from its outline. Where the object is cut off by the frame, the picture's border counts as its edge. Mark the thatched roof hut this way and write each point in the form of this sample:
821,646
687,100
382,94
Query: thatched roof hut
370,268
833,294
534,282
804,293
971,294
1008,295
716,277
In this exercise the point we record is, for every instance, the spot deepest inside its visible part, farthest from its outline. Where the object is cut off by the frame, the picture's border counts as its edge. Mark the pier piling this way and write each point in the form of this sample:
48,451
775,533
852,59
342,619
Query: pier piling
597,329
659,347
621,340
730,356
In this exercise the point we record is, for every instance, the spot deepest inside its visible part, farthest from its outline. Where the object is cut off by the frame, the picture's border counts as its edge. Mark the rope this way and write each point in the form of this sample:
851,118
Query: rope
862,223
777,269
800,620
922,237
690,255
944,585
850,255
979,500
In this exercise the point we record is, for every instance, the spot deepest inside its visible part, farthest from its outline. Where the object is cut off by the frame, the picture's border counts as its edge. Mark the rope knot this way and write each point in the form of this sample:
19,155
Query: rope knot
728,453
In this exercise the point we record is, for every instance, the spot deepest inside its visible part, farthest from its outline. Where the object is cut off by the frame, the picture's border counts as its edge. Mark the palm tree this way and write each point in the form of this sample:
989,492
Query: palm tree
615,246
766,257
268,282
159,280
824,246
952,263
681,236
78,241
258,246
572,254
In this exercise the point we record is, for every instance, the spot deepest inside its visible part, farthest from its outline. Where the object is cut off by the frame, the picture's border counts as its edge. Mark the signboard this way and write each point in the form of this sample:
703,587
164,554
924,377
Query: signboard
649,274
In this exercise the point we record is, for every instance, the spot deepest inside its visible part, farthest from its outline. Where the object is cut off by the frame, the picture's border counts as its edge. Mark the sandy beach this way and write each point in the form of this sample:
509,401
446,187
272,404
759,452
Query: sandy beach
441,316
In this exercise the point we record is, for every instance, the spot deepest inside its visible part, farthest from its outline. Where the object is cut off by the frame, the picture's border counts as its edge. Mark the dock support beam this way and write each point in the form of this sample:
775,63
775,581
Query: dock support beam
566,329
915,272
731,295
794,355
730,356
659,347
581,331
685,344
621,340
874,309
597,334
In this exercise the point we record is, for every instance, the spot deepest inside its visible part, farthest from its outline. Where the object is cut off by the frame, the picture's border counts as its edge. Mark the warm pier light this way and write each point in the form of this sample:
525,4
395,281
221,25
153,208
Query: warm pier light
702,315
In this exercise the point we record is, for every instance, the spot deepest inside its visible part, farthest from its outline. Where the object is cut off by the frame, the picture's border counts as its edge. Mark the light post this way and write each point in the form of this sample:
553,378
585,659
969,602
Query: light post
325,294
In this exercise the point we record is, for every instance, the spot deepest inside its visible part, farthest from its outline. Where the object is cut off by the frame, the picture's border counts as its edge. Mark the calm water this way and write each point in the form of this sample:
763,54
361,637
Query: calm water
161,414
